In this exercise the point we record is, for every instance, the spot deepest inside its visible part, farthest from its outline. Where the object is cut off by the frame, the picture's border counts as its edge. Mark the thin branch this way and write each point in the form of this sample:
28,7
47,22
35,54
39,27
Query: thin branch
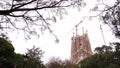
44,21
47,25
26,23
57,3
37,3
21,15
7,12
32,9
102,11
14,25
15,15
21,5
12,4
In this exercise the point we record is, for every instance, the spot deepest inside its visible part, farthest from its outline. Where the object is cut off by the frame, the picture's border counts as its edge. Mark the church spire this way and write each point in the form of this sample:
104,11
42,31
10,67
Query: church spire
83,30
76,30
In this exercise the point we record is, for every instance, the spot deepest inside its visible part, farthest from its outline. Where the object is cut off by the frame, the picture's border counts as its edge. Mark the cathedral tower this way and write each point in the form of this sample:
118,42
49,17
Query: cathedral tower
80,47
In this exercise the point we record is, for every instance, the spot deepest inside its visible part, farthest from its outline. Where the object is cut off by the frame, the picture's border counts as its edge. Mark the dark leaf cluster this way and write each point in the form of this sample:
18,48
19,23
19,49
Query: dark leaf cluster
104,57
10,59
111,17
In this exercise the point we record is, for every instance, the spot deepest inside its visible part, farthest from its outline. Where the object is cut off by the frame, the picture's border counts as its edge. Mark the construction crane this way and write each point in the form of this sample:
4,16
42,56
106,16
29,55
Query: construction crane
102,35
76,27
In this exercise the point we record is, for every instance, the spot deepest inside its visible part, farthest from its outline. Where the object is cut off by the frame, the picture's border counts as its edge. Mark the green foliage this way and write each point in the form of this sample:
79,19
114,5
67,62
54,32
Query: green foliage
6,48
6,54
103,49
33,57
104,57
18,60
9,59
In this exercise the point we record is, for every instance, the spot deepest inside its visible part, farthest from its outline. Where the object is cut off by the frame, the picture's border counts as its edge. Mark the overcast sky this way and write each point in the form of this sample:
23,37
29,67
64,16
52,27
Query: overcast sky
63,30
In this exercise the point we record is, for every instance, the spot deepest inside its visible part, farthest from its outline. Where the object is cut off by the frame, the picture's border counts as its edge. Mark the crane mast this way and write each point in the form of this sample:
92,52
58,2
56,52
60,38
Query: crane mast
102,35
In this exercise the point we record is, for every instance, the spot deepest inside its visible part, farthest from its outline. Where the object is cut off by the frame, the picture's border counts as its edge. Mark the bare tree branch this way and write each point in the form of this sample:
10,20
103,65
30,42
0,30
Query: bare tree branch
34,14
24,4
110,15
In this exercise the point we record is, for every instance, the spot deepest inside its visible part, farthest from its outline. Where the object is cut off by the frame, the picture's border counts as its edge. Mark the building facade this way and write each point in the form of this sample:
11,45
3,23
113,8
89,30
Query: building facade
80,48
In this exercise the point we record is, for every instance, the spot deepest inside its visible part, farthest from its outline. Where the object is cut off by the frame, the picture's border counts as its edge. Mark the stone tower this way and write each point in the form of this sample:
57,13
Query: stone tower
80,48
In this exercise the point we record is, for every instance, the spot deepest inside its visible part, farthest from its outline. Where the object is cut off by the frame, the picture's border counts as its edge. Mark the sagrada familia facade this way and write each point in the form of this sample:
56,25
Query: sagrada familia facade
80,47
